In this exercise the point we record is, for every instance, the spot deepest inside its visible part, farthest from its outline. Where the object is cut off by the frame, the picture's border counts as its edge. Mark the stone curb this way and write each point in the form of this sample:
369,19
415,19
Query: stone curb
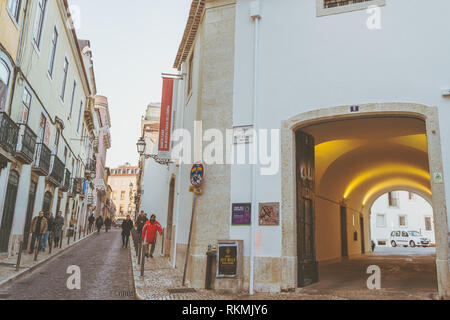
20,274
134,264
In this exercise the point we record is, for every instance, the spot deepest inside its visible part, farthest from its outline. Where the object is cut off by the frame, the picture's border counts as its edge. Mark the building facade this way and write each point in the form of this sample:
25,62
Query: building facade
48,119
123,182
397,211
345,95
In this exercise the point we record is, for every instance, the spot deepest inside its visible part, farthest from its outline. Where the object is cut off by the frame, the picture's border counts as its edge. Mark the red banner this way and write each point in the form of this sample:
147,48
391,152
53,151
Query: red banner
165,127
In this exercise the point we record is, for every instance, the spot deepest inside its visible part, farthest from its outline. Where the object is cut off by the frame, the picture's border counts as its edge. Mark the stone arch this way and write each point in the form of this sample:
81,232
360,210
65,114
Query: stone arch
288,206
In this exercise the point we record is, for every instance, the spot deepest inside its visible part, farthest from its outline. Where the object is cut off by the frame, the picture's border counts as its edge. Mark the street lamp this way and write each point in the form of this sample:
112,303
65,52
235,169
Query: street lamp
141,144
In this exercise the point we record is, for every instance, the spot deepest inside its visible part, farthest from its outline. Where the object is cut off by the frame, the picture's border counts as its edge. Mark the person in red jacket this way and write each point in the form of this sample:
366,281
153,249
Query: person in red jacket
149,234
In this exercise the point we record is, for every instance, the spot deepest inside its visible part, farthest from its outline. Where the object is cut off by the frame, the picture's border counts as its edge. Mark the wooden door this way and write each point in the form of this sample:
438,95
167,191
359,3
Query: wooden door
305,177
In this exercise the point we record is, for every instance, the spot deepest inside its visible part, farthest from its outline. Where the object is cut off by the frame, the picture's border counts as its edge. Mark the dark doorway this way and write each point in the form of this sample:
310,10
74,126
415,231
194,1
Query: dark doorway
30,206
305,160
344,245
363,239
8,210
47,202
169,227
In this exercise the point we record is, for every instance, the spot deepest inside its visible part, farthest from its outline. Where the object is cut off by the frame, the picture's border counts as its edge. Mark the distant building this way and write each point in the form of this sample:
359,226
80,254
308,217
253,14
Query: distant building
123,182
400,210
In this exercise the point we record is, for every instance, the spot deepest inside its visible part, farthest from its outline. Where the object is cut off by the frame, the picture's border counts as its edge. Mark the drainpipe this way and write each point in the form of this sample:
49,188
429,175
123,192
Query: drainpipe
255,13
179,183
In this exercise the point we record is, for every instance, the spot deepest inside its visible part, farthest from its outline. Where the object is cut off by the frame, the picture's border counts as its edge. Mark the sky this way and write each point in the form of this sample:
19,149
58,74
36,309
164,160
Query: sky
132,43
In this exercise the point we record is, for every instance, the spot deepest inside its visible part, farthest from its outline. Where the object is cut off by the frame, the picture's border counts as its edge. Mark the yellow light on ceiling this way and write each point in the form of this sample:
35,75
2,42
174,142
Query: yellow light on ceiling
387,169
393,183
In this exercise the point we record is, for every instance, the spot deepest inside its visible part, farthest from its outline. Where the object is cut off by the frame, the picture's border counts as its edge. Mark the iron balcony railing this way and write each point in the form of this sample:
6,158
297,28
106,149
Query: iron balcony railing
26,144
57,170
42,158
339,3
67,181
77,187
9,132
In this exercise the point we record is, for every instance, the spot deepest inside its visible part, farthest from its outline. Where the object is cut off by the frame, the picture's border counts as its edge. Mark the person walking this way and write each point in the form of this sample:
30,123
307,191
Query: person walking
58,228
91,221
127,226
149,235
99,223
140,222
38,229
108,223
49,233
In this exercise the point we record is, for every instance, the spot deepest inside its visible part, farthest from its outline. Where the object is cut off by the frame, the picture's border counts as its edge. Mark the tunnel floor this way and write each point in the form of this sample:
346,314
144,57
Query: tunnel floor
406,273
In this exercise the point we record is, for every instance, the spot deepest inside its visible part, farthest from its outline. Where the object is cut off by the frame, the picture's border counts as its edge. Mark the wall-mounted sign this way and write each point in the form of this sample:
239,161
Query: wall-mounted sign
165,127
241,213
269,214
243,135
197,174
227,260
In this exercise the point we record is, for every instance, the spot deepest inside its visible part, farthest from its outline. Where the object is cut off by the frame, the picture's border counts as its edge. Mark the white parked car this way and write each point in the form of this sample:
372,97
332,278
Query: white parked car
409,238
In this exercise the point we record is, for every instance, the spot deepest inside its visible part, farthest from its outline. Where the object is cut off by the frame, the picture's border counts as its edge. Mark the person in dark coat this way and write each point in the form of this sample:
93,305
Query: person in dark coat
140,222
38,229
127,226
108,223
58,228
99,223
91,221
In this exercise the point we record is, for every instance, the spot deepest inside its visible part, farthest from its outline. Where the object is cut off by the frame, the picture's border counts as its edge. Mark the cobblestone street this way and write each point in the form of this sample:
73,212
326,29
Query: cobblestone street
106,273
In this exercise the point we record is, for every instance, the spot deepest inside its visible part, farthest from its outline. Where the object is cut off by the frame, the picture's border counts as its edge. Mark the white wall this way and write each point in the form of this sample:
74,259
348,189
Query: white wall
309,62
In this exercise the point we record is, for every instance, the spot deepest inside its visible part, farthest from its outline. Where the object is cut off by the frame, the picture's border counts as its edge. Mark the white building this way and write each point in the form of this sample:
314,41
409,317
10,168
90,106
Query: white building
358,106
398,211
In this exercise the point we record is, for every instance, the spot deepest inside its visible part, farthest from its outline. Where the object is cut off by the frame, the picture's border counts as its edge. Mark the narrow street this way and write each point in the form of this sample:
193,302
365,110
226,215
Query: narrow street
105,267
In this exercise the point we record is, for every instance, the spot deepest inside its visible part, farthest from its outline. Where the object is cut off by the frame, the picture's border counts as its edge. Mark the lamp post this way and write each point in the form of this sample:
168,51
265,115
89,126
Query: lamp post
141,145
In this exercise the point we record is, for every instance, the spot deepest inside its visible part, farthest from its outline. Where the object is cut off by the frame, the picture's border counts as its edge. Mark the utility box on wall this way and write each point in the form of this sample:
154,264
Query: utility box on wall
229,266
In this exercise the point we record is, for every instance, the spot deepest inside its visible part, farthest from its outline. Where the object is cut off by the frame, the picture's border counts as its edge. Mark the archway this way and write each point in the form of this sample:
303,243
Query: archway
353,157
169,228
8,210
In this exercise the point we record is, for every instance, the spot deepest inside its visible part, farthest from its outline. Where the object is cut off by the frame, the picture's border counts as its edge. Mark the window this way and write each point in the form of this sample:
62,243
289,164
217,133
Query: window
122,195
39,22
405,234
25,107
55,146
79,116
51,63
14,9
65,71
402,221
428,224
394,199
4,82
73,98
381,220
122,208
327,7
190,73
397,233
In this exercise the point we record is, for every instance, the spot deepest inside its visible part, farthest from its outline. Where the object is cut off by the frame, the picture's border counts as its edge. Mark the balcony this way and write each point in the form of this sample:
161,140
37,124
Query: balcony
67,182
26,144
9,132
42,158
56,171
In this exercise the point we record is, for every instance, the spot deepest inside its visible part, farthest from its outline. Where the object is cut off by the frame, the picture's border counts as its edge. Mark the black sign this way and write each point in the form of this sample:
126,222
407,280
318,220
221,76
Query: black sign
227,260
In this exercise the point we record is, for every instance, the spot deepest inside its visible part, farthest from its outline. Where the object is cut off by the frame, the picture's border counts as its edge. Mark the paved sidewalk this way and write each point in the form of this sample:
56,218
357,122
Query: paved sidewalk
160,277
8,271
